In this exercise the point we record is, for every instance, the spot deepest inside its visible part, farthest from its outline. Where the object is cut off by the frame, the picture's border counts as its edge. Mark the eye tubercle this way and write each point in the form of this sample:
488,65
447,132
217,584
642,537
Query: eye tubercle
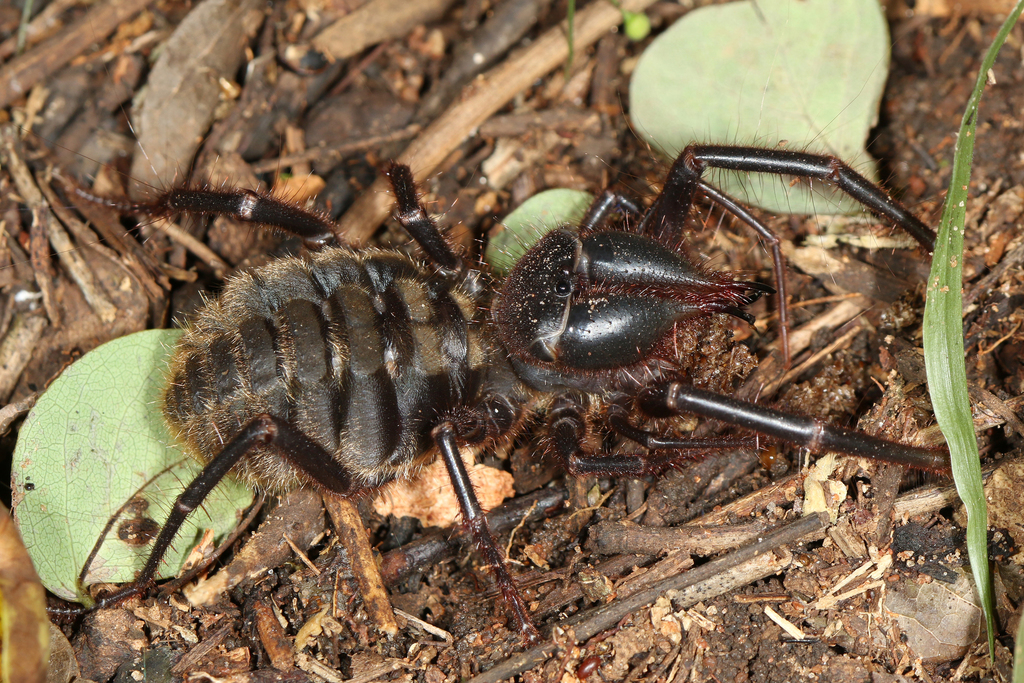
532,308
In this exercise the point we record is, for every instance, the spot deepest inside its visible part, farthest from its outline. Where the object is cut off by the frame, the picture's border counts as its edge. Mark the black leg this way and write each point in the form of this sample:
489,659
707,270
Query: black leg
295,446
262,430
605,207
778,260
411,214
665,219
446,437
618,419
299,450
673,398
315,229
567,430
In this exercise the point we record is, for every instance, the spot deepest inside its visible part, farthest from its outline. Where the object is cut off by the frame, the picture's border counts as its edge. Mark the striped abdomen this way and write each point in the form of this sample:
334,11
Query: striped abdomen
362,352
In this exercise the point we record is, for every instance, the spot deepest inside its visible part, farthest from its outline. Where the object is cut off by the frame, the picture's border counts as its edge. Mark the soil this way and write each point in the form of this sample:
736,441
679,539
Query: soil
862,596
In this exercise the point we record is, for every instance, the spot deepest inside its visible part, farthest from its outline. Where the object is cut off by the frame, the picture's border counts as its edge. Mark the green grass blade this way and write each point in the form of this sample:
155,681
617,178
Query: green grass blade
1018,654
570,20
944,344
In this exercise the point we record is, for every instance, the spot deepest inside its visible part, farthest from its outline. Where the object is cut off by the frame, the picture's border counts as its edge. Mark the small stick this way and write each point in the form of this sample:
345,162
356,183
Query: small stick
228,542
375,22
12,411
352,534
72,260
133,254
16,349
426,626
789,627
613,538
272,636
401,563
38,239
335,152
780,493
197,653
300,515
42,23
301,555
762,379
929,499
203,252
841,342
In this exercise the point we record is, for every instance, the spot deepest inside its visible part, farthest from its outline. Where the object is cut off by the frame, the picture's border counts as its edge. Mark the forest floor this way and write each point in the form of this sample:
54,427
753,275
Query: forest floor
861,573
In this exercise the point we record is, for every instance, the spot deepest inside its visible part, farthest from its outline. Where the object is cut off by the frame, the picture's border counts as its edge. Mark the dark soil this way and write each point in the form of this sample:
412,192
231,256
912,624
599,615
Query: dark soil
836,587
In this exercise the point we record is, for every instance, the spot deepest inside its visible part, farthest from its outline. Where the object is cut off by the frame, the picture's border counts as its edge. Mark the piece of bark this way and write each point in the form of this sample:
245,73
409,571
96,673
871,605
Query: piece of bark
184,91
300,517
612,538
19,75
352,535
375,22
273,637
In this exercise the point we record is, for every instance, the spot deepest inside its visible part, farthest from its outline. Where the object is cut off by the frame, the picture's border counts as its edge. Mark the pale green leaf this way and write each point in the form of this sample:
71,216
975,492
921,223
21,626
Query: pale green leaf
807,75
94,441
531,221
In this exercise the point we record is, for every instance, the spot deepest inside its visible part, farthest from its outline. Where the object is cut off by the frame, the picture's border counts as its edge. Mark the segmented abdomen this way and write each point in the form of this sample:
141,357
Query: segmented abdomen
360,351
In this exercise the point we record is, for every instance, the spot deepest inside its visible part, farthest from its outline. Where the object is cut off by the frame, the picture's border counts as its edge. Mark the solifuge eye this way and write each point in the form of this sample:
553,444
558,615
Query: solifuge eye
563,285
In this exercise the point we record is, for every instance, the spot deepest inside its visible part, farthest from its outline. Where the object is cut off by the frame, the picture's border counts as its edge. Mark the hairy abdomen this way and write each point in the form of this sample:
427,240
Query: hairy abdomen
362,352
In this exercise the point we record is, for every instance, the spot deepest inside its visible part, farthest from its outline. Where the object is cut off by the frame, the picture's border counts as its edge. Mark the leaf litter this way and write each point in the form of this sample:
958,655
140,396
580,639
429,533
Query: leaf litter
728,635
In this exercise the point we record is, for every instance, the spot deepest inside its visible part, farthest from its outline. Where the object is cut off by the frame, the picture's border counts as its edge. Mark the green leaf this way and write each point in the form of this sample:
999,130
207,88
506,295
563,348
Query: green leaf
807,75
531,221
1018,653
95,441
944,344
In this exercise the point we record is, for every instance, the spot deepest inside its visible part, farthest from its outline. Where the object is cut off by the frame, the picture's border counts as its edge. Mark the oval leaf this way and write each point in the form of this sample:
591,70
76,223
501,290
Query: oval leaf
533,219
808,75
95,461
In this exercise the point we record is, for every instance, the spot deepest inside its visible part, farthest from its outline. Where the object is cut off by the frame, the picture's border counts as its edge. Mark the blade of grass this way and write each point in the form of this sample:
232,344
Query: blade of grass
944,343
1018,653
570,20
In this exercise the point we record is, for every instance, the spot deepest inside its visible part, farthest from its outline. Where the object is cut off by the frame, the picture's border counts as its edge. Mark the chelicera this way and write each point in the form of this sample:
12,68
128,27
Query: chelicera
344,370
